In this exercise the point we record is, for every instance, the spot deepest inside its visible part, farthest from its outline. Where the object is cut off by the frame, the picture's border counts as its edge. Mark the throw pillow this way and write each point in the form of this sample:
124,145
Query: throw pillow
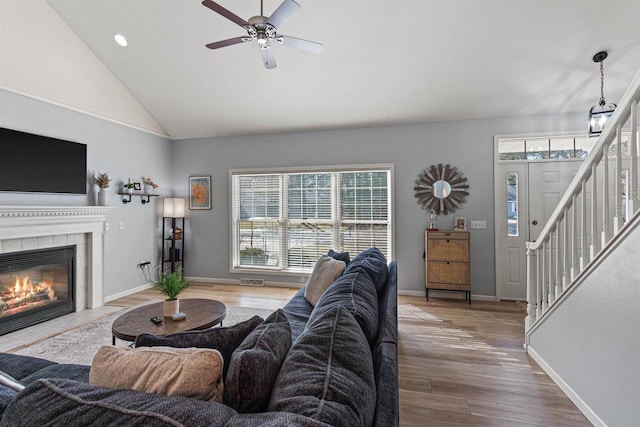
188,372
256,363
340,256
328,373
324,273
225,339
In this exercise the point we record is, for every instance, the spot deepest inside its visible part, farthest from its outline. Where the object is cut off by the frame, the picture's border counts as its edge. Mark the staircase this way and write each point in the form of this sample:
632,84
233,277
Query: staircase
583,278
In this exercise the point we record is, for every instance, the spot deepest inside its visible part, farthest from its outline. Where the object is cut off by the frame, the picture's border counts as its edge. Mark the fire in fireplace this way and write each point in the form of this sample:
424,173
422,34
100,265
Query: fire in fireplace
35,286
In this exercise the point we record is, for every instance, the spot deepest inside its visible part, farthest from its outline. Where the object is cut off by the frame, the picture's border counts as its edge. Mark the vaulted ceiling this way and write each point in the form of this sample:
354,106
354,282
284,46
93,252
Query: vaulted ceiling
383,62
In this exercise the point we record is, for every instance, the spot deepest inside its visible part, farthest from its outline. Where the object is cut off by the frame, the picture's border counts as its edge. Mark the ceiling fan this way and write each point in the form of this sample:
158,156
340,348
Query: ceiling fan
264,30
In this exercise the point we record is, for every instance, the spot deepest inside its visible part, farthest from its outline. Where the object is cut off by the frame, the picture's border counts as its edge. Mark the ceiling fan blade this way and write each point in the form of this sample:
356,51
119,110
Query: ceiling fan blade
228,42
268,58
283,13
307,45
226,13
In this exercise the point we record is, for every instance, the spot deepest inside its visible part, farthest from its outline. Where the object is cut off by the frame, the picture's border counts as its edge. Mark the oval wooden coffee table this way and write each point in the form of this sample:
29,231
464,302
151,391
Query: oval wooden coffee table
201,314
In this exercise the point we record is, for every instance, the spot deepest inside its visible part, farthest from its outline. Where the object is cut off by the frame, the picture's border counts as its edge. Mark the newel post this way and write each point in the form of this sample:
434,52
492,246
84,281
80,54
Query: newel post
532,283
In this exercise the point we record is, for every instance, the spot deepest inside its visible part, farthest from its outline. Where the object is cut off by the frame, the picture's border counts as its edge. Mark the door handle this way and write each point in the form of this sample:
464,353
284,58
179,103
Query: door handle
534,222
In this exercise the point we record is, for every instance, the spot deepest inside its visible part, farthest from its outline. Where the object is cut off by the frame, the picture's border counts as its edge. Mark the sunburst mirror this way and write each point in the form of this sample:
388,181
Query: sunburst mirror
441,188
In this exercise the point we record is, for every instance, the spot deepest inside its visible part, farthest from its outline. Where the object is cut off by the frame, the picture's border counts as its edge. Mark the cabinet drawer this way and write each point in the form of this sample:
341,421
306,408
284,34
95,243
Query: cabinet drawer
448,249
448,272
448,235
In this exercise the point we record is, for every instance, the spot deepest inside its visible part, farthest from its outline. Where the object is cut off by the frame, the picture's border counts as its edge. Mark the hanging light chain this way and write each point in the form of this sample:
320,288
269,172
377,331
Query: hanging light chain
602,101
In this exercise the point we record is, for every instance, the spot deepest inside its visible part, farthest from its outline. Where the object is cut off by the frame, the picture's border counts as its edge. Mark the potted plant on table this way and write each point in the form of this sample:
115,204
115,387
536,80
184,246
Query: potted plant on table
171,284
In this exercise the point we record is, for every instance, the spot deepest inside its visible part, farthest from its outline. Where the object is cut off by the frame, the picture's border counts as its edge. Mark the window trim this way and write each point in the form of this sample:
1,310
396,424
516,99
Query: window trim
307,169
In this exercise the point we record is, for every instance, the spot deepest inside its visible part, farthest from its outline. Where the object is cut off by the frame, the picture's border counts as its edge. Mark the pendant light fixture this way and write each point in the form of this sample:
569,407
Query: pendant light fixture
601,113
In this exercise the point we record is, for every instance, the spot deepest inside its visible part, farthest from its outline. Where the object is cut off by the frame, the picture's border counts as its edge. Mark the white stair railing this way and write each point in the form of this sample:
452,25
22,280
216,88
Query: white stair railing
600,200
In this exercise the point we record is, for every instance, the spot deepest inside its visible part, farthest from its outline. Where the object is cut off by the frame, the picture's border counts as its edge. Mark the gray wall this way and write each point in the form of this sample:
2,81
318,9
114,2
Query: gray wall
465,144
120,150
592,340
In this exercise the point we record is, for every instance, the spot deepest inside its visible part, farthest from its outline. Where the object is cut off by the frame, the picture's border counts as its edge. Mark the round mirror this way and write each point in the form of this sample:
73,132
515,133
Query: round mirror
441,189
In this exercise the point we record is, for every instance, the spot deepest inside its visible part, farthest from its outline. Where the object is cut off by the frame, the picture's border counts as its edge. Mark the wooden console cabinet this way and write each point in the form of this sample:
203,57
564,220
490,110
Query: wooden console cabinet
447,261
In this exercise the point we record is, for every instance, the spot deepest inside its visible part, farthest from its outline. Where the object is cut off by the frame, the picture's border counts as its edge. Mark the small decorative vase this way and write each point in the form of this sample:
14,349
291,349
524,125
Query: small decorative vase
102,197
171,307
128,190
149,189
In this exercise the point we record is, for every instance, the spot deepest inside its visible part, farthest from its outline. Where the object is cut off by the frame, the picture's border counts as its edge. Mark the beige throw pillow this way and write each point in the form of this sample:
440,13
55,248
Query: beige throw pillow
189,372
325,272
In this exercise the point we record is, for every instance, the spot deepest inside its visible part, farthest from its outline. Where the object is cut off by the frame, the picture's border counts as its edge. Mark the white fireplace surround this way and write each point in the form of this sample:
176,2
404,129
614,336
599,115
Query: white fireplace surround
37,227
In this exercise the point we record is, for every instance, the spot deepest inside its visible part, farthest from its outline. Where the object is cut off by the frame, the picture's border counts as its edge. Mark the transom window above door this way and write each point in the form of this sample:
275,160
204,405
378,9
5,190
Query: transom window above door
283,220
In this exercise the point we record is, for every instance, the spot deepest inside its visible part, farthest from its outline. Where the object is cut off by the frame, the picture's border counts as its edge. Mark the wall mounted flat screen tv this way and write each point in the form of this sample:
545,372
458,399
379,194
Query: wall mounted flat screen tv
34,163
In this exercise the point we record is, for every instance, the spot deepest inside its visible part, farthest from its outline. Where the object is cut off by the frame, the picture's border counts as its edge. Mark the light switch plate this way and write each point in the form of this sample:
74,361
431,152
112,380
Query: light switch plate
478,224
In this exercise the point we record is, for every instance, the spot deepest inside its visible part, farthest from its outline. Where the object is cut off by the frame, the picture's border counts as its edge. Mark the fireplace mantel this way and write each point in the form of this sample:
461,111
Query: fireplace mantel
20,222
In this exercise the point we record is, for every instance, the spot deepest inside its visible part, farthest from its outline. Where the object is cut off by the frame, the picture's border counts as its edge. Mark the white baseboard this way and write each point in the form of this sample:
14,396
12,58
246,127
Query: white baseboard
566,388
127,292
219,281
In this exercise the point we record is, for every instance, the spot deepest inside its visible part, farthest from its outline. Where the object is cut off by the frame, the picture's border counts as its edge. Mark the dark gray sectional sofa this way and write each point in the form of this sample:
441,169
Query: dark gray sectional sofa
341,369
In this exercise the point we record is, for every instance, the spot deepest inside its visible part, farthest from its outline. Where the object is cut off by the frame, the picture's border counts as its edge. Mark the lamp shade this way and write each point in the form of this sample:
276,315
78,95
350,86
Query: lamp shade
173,207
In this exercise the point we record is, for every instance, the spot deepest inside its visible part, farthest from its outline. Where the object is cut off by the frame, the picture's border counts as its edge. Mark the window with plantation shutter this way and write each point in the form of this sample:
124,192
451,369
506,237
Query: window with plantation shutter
283,221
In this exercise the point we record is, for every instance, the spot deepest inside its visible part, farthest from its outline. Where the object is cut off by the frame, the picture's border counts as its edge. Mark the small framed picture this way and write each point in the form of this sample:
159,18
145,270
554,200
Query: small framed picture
137,184
200,192
461,223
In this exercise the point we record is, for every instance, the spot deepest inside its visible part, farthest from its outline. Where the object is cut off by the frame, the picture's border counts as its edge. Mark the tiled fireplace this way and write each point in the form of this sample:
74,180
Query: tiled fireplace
69,243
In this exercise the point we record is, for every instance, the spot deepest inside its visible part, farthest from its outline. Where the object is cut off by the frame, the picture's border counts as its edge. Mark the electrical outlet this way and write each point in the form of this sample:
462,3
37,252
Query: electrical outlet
121,225
478,224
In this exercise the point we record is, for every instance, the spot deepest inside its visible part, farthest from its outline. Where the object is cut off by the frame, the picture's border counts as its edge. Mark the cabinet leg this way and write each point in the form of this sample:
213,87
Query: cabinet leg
469,296
427,289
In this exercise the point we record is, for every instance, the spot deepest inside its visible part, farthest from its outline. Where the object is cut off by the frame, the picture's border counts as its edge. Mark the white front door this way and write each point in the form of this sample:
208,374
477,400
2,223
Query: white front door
547,183
526,194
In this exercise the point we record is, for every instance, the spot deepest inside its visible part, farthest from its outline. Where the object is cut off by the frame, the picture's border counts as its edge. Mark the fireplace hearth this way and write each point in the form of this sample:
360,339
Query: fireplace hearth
36,286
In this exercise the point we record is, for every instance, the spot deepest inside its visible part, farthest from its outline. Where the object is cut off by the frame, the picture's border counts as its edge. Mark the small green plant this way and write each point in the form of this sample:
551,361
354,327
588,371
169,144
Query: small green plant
171,284
129,185
251,252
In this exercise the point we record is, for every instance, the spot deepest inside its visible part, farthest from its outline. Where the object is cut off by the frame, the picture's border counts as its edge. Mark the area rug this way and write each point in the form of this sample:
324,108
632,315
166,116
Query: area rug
80,344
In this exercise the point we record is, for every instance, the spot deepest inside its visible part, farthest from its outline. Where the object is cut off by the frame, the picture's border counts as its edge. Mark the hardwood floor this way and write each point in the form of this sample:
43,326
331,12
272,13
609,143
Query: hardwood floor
459,365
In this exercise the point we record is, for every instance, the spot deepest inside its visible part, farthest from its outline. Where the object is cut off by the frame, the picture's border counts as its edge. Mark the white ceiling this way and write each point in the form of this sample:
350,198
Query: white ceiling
384,62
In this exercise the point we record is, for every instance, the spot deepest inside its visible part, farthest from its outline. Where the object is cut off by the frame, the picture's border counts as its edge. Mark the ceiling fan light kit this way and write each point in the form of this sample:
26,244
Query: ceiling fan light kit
264,30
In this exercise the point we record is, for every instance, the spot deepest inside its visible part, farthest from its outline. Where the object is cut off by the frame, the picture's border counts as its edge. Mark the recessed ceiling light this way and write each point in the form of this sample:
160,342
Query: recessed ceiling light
120,39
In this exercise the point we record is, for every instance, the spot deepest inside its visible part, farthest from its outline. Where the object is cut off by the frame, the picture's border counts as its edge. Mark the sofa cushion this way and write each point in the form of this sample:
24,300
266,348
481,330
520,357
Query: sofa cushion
225,339
375,264
297,310
19,366
324,273
340,256
189,372
71,403
355,291
328,373
60,370
255,364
